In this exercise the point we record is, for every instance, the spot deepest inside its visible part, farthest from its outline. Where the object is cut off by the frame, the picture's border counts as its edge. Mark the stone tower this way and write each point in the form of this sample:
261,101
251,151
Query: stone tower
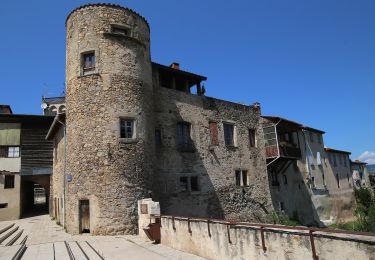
109,118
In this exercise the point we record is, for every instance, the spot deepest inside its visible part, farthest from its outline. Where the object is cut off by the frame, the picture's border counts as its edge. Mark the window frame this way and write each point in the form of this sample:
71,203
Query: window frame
183,136
242,178
188,187
15,152
253,138
158,136
9,183
91,69
134,128
231,126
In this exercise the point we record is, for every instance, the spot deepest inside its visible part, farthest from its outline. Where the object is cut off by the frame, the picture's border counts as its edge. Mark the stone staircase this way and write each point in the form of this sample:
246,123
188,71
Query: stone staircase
13,247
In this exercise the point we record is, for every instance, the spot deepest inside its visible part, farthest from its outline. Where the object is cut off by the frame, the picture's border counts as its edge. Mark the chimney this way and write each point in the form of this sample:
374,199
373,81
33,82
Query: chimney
175,66
5,109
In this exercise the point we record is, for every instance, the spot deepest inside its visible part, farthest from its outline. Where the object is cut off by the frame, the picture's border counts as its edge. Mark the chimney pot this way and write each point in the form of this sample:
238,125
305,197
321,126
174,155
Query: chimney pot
175,66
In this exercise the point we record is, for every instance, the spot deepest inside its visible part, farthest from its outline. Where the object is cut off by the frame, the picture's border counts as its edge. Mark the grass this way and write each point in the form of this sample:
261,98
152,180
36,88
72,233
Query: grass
351,226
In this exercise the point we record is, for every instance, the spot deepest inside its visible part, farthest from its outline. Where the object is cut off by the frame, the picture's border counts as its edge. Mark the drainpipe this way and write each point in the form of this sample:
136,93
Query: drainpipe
307,147
64,170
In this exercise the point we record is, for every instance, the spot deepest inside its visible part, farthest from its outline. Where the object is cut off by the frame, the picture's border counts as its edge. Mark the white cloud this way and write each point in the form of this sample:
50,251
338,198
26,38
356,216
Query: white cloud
368,157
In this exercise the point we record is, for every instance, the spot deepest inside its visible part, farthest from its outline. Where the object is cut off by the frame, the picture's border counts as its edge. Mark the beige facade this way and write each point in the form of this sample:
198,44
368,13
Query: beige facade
310,183
360,174
10,167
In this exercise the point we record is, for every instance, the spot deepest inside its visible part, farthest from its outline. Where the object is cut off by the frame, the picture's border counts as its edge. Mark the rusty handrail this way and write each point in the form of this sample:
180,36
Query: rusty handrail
270,226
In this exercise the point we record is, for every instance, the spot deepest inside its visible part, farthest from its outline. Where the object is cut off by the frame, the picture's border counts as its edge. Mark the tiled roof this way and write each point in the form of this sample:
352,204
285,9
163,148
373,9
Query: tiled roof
54,100
336,151
273,118
108,5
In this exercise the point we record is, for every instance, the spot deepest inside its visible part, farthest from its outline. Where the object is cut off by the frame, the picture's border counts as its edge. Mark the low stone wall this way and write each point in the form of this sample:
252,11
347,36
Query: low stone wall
218,240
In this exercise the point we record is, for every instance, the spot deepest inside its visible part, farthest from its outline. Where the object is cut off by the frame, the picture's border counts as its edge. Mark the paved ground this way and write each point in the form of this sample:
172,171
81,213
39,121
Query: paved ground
47,240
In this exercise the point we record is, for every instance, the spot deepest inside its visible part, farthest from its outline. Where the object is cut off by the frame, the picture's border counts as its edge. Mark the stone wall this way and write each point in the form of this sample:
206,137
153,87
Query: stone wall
244,242
57,182
111,173
215,165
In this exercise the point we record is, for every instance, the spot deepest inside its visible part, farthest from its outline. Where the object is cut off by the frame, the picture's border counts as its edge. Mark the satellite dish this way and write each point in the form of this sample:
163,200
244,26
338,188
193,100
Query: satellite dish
44,105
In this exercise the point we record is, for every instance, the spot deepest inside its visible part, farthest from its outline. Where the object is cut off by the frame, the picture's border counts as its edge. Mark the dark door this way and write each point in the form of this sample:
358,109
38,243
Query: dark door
84,208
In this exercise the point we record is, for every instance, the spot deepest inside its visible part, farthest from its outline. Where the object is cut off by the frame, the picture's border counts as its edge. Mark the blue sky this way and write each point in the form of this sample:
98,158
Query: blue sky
309,61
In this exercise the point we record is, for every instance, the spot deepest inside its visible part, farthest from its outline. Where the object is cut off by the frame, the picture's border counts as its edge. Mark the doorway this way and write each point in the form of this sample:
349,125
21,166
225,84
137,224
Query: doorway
84,213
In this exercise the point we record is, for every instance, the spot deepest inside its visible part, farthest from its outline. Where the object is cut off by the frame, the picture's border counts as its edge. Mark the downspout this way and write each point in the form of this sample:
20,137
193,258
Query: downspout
64,170
306,155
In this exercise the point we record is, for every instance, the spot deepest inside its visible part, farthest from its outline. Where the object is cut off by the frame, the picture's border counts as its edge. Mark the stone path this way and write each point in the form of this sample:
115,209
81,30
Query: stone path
39,238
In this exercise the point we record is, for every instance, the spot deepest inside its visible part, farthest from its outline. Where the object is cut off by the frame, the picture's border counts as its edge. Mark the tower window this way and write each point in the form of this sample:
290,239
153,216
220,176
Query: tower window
126,128
120,30
9,182
88,62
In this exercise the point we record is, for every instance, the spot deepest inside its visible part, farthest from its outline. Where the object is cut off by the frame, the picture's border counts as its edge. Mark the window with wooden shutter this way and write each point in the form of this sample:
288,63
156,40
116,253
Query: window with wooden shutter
214,133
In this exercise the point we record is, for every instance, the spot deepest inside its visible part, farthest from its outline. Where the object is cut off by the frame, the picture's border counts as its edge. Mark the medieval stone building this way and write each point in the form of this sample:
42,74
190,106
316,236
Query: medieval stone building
134,129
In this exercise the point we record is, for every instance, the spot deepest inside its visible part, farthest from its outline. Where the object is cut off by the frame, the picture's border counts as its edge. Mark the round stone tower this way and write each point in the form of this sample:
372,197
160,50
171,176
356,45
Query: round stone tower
108,118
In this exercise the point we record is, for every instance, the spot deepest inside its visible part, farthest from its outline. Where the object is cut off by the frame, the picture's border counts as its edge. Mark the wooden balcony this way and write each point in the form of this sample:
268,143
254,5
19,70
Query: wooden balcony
284,151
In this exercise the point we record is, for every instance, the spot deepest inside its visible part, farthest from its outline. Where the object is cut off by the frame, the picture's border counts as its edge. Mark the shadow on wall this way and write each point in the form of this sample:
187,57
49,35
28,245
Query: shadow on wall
310,207
291,195
35,195
195,179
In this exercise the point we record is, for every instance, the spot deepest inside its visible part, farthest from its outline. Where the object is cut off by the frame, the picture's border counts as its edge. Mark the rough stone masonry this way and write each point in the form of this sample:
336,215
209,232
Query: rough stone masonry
134,129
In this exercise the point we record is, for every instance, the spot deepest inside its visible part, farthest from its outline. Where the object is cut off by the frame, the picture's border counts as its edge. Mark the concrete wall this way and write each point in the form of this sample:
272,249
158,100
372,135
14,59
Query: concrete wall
245,242
12,197
10,164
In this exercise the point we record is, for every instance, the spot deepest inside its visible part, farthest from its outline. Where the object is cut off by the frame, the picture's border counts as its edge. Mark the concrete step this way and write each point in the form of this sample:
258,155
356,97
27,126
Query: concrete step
8,234
61,252
11,252
90,251
39,252
5,228
11,240
76,251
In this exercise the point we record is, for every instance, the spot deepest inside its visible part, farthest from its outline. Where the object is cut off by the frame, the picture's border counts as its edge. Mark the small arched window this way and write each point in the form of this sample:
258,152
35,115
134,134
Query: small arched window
53,110
61,109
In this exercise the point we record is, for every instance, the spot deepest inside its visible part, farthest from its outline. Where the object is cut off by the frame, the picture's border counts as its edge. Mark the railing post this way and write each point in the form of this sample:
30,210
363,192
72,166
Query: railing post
315,257
173,225
189,228
262,239
228,230
208,228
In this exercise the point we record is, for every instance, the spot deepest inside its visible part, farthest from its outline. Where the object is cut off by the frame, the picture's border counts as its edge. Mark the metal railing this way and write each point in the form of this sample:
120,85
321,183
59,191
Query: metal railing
311,232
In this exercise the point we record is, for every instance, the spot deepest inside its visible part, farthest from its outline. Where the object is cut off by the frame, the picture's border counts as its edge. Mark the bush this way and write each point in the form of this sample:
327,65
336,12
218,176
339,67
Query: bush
281,218
365,209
